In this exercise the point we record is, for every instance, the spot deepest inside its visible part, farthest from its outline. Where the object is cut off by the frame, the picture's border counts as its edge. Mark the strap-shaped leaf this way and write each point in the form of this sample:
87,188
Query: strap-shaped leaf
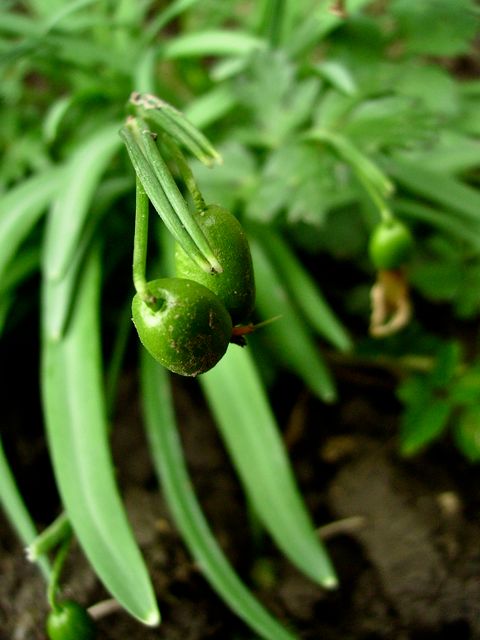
289,337
212,43
14,506
237,398
447,191
77,436
73,201
169,463
58,294
21,208
304,290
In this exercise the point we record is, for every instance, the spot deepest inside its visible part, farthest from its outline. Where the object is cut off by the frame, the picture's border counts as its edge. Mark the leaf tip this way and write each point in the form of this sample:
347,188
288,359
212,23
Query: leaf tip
330,582
153,619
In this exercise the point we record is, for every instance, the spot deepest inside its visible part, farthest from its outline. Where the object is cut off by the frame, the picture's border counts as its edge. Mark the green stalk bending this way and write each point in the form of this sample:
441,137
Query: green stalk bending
143,168
56,572
186,172
58,531
140,242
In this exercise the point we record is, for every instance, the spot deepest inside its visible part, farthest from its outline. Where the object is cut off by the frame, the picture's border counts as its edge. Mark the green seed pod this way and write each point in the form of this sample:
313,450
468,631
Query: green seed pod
235,286
390,245
187,329
70,621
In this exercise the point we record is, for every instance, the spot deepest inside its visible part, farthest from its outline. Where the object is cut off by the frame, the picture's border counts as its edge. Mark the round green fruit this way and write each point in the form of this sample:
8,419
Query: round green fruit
187,328
70,621
236,285
390,245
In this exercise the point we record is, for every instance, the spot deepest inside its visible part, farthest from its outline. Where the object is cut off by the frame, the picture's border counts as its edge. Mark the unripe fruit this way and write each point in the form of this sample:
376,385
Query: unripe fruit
235,286
70,621
390,245
187,329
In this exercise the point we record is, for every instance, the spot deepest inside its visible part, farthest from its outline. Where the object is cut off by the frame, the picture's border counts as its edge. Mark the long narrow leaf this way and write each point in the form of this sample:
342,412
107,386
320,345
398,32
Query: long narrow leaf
169,463
58,294
21,208
211,106
14,507
440,219
305,291
289,338
74,199
442,189
77,435
212,43
237,398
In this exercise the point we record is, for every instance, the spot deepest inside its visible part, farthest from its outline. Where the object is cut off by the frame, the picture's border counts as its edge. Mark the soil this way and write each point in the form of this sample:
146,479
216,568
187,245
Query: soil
403,534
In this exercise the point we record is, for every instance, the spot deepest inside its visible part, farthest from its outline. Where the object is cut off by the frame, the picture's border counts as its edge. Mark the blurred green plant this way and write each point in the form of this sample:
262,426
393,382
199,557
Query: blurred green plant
326,121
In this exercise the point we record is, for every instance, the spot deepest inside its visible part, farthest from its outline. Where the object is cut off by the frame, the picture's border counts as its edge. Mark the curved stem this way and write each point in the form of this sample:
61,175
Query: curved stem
273,21
56,572
185,172
140,241
54,534
384,210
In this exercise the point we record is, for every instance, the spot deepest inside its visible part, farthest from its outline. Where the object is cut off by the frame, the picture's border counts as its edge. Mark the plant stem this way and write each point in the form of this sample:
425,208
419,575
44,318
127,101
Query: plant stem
56,572
54,534
140,242
186,172
273,21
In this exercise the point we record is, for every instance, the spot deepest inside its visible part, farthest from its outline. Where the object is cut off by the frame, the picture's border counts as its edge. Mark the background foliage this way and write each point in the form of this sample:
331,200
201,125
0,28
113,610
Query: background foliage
320,120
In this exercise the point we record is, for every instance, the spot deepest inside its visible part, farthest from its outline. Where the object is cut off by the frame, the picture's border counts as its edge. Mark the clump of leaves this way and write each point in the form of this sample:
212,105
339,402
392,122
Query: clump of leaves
327,121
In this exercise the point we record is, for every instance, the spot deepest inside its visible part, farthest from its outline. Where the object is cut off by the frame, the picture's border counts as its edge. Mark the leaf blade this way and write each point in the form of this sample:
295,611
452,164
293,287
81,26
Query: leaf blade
289,337
251,437
21,208
77,436
15,509
71,207
170,467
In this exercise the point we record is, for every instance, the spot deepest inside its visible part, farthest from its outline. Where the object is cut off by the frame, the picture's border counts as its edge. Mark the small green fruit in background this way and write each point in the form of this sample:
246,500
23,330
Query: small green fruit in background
390,244
235,286
187,329
70,621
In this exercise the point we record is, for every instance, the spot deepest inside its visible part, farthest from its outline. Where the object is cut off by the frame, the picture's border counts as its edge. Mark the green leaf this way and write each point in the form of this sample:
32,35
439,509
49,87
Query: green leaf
278,102
237,398
318,23
452,25
58,294
288,337
467,433
365,169
210,107
15,509
303,289
20,268
171,11
74,198
439,219
73,401
338,75
21,208
231,181
298,179
448,192
453,153
422,423
212,43
170,466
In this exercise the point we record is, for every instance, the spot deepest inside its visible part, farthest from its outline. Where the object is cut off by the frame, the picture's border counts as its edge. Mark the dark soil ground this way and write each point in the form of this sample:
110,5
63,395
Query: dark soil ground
404,535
